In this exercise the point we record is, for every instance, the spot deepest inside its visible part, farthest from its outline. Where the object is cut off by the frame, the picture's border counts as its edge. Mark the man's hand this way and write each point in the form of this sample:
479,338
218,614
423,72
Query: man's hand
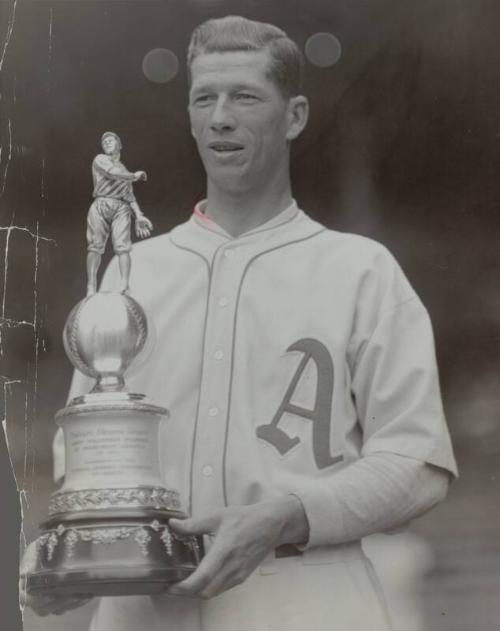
244,536
140,175
143,226
43,605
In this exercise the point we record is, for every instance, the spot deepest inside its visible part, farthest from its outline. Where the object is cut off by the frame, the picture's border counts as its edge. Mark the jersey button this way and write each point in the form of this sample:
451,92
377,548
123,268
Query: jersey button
219,354
223,302
229,254
207,470
213,411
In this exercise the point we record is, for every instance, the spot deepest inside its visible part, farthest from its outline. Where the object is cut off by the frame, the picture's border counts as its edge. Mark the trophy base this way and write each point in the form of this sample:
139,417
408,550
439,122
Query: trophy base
107,582
119,557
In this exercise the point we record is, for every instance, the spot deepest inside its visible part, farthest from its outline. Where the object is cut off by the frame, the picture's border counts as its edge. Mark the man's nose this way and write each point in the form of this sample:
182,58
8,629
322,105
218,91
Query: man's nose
222,116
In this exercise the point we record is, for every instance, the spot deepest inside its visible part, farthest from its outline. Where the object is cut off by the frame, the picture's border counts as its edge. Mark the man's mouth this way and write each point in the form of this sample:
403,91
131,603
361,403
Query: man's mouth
225,146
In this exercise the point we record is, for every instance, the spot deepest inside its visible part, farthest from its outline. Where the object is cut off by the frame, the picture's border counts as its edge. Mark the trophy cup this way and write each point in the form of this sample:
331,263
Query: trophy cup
107,530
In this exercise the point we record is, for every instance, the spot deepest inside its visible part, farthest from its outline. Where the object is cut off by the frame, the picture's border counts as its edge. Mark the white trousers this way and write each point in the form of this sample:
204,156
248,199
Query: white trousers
330,589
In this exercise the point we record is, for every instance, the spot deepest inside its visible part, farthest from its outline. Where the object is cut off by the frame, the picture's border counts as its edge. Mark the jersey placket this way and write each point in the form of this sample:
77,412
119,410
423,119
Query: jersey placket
207,478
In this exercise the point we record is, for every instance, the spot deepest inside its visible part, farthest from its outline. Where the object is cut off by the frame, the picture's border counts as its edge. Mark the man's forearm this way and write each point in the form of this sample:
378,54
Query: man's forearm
378,493
135,209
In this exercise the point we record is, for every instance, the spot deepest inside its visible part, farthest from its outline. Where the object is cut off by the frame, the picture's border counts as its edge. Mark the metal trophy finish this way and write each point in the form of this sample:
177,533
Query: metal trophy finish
107,530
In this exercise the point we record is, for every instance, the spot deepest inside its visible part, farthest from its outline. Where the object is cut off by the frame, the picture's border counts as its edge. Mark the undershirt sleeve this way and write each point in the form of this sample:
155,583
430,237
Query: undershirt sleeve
378,493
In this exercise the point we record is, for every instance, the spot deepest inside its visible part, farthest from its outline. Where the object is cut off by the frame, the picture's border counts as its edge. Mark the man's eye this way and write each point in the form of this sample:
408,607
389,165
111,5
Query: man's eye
203,99
245,96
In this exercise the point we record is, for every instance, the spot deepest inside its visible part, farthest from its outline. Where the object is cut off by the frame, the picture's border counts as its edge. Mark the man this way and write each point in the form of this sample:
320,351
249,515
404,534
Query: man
298,366
111,210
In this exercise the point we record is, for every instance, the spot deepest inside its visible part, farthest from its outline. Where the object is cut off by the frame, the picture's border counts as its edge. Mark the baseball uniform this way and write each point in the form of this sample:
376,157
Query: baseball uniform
283,355
110,211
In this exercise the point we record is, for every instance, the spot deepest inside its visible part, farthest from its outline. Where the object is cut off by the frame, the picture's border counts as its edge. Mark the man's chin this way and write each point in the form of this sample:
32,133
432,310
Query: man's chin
230,184
230,174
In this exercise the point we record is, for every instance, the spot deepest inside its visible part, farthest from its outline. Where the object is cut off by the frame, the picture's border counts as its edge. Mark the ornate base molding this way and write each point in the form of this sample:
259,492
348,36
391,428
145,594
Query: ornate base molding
91,499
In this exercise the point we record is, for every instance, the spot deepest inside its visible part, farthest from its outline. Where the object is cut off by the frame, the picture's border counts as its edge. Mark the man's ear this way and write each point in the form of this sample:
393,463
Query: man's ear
298,115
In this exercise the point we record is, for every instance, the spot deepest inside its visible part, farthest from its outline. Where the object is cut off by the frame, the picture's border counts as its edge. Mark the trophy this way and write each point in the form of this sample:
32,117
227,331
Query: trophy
107,530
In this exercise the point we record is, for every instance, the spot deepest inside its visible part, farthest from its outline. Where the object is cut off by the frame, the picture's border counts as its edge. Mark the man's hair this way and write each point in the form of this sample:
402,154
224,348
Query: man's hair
112,133
234,33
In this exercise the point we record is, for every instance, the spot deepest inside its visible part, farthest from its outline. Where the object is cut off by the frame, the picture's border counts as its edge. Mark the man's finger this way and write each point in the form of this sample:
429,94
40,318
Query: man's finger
74,603
225,580
204,526
29,559
202,577
46,605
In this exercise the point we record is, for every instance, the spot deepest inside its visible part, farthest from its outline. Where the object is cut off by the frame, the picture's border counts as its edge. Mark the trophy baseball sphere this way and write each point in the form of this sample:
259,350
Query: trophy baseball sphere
104,334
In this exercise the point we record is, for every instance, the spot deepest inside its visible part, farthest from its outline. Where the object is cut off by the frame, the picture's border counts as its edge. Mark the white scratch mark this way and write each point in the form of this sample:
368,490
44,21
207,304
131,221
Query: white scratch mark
50,36
35,235
9,33
5,271
6,392
37,345
43,190
4,320
7,163
35,278
26,440
13,324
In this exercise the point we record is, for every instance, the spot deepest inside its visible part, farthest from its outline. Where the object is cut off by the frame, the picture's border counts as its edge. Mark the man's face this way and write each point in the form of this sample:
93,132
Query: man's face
239,119
110,145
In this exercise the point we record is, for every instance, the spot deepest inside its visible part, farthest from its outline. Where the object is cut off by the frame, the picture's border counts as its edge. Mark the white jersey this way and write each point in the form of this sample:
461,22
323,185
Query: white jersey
283,355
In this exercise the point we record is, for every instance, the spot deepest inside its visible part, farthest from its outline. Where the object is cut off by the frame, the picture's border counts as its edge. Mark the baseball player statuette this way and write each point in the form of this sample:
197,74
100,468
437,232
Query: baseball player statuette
107,529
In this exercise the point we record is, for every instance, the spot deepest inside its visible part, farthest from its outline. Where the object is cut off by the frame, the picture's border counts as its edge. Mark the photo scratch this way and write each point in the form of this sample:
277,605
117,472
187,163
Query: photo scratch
9,34
7,163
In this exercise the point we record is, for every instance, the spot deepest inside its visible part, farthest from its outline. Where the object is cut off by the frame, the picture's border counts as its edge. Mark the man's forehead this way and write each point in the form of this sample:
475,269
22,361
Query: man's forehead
236,65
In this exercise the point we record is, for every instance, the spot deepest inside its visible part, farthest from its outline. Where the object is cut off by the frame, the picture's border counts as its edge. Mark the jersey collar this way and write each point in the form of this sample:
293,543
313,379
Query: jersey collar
204,236
199,218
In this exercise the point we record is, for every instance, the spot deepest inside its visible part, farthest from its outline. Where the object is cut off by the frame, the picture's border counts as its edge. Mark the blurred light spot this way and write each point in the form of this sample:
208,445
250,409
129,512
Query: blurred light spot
160,65
323,49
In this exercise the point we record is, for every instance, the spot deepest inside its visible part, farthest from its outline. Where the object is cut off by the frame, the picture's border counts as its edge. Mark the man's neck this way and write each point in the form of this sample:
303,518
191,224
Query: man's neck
238,214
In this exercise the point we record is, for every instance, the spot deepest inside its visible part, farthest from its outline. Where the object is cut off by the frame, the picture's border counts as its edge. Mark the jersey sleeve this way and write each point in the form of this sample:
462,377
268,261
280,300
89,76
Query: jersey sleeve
106,167
395,386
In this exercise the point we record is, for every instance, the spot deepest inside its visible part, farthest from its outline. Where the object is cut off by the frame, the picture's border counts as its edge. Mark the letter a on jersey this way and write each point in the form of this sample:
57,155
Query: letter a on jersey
320,415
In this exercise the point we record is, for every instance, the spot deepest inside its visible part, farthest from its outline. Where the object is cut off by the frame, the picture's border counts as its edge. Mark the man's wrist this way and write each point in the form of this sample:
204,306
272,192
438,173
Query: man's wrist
295,528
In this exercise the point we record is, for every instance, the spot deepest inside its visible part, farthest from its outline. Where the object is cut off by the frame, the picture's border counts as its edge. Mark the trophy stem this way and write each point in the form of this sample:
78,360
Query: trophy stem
109,383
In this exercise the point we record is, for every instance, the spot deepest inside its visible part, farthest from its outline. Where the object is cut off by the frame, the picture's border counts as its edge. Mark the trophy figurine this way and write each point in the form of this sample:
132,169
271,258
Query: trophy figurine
107,530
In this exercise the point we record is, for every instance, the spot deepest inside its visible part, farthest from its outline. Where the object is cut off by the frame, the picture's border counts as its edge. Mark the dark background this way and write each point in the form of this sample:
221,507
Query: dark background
402,146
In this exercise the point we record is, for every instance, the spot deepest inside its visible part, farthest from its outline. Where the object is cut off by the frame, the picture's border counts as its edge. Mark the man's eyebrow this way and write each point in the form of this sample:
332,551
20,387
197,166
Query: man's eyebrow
246,86
235,87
